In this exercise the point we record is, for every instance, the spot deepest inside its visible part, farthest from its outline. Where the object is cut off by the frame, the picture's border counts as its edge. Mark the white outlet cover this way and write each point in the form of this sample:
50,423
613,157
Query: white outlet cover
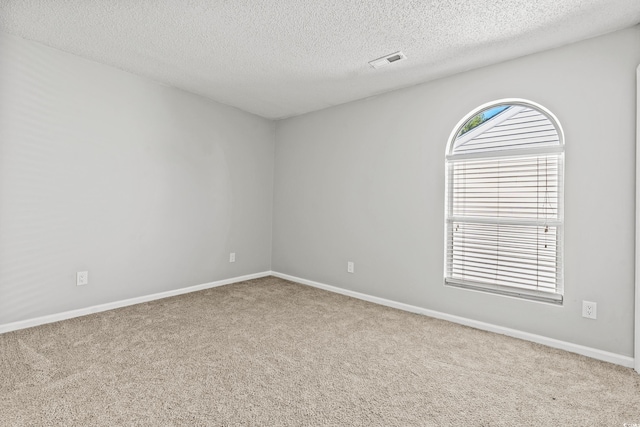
589,310
350,267
82,278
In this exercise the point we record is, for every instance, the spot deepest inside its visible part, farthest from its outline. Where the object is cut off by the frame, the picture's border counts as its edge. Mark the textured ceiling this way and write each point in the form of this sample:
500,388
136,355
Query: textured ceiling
280,58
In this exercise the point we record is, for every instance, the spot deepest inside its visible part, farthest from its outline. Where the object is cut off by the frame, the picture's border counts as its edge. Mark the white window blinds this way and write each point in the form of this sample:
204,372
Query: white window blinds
504,204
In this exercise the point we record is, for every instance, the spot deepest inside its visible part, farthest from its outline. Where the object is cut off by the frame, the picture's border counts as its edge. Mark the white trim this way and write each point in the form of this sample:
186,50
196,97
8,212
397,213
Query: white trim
451,159
22,324
505,220
594,353
507,154
636,335
563,345
512,291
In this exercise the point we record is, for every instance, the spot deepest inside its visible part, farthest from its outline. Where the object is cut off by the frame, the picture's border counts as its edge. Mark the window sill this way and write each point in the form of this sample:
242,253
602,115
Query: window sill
526,294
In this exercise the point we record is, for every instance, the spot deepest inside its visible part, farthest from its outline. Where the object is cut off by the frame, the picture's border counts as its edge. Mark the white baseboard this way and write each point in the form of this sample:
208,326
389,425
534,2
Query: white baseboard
594,353
14,326
551,342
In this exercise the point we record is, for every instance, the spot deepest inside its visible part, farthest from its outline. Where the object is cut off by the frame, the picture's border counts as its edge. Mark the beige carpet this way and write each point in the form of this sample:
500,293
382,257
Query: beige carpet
273,353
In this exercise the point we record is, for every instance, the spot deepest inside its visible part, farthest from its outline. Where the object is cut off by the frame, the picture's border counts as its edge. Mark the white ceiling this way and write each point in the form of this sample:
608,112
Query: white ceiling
281,58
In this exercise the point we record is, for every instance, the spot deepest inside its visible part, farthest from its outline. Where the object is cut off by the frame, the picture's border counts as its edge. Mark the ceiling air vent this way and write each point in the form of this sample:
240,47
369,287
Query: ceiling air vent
387,59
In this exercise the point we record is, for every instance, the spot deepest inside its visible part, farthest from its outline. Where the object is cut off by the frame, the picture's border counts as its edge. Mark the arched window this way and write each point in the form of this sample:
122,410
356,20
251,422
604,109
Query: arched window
504,201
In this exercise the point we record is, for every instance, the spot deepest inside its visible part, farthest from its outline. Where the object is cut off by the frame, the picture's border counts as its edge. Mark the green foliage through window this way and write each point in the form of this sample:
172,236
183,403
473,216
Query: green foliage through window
481,117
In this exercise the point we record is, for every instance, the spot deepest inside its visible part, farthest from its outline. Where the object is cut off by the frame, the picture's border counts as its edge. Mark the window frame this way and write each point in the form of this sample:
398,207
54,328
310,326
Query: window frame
559,150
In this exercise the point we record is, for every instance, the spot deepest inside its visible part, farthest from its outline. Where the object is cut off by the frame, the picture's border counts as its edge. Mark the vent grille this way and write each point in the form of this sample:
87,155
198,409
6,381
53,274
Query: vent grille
388,59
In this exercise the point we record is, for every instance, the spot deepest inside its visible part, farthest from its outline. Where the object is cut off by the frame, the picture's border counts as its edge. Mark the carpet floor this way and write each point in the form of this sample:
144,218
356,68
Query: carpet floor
268,352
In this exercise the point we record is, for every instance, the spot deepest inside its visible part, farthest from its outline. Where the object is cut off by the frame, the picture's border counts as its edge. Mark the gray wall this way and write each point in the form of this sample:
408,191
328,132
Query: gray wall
147,187
364,182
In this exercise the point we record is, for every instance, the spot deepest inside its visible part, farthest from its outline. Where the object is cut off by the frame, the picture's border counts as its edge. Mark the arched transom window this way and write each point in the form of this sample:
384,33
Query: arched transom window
504,201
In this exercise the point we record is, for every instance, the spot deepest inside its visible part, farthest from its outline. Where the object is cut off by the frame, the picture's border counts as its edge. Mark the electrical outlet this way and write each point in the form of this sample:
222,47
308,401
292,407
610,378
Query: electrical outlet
589,310
350,267
82,278
232,257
